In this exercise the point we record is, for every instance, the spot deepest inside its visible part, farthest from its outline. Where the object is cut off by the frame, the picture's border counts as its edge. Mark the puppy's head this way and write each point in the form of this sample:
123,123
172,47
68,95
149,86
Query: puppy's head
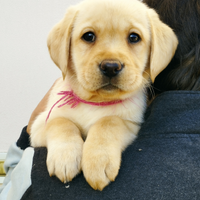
110,48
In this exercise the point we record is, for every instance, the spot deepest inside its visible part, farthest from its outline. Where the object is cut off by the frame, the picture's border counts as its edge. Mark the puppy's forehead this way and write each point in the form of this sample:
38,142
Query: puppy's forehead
114,14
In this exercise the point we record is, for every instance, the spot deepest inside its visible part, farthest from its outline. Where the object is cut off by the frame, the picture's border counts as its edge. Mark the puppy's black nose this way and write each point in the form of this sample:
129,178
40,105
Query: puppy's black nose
110,68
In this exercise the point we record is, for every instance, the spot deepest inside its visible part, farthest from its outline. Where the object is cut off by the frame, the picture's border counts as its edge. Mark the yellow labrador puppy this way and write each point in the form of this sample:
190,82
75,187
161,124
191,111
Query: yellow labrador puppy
107,51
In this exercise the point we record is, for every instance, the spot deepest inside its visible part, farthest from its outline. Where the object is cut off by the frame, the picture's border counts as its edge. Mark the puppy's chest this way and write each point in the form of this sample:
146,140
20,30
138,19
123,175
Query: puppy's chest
84,116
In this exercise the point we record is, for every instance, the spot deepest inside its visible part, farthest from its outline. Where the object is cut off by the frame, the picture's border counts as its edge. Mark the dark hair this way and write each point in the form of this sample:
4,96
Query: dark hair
183,72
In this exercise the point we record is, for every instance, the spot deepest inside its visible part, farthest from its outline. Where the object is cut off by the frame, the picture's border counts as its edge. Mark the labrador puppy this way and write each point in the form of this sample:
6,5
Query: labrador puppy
107,50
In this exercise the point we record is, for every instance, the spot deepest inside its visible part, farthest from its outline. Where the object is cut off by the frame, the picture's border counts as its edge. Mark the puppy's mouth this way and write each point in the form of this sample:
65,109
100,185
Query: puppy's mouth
109,87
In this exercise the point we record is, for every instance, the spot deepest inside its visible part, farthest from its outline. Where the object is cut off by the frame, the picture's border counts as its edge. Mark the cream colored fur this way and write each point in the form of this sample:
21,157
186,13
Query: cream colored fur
91,138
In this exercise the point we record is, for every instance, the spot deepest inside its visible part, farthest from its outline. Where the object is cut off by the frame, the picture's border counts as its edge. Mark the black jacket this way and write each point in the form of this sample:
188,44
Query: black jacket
162,164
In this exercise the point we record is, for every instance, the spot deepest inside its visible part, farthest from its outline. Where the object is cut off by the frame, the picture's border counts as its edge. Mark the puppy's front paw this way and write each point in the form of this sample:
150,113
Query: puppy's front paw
100,165
64,160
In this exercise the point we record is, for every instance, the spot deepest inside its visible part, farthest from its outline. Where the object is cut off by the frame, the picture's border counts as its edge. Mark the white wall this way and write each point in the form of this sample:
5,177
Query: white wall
26,70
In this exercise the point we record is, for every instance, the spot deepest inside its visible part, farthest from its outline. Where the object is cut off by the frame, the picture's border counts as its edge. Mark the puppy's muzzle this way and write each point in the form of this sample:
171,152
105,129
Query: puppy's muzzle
111,68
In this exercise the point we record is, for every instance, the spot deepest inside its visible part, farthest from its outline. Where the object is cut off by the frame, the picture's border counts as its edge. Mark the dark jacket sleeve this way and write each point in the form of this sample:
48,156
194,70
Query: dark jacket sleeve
163,163
23,142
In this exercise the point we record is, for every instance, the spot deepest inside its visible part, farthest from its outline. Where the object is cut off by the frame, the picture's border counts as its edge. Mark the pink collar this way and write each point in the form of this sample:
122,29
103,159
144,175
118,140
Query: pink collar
72,99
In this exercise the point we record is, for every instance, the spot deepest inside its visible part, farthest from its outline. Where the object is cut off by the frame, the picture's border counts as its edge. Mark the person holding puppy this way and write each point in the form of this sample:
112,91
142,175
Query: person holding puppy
164,161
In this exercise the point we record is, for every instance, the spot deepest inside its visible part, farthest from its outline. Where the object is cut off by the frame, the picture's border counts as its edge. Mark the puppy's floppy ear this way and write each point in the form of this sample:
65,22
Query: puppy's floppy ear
58,41
163,44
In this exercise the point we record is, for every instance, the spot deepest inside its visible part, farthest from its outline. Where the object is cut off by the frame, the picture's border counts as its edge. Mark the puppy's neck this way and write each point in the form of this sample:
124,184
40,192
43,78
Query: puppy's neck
71,99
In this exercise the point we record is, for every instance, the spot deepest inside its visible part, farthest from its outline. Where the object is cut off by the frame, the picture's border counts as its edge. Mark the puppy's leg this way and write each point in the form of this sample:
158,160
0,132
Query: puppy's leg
64,144
103,147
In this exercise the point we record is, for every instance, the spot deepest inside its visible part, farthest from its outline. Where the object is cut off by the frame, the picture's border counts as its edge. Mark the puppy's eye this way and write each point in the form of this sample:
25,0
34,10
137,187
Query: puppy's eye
134,38
89,37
